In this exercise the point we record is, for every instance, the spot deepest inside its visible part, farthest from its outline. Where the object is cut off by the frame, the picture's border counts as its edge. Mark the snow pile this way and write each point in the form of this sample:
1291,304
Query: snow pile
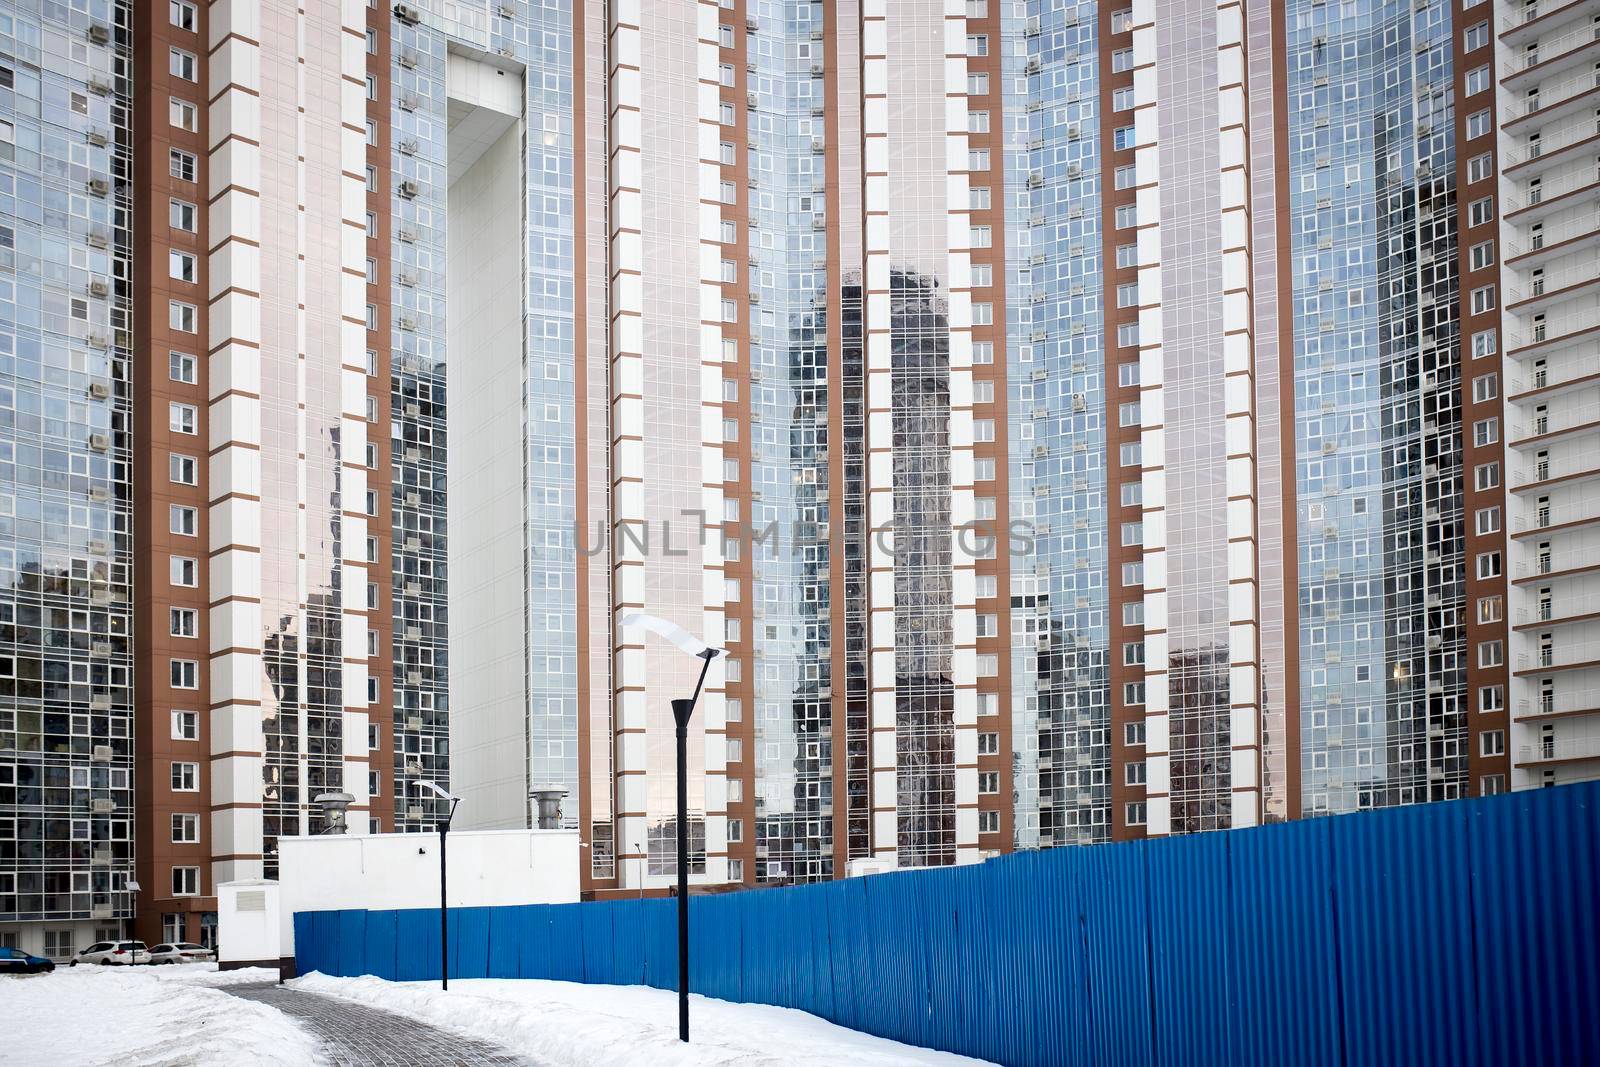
605,1026
145,1017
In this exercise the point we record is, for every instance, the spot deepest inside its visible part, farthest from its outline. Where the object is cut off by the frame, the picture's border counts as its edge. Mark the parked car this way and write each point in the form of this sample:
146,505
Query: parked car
113,954
16,961
182,952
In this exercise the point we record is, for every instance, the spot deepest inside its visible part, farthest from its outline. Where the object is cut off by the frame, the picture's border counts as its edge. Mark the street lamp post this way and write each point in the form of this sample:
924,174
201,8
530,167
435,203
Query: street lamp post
444,908
682,712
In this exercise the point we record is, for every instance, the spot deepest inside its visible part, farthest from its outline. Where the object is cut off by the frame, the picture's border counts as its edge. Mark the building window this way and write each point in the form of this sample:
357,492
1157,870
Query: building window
184,622
182,14
977,44
982,276
982,353
1133,613
1122,99
186,726
1133,654
1122,21
1492,743
1135,813
988,822
182,64
182,418
183,114
978,83
1481,256
182,165
1486,431
1485,343
1491,654
1121,60
1133,734
982,237
1480,167
185,674
186,777
186,881
1491,609
1133,773
1133,694
1129,454
1478,123
181,469
1485,387
1489,565
1477,80
181,367
181,215
184,571
988,744
1127,216
1480,212
1123,138
979,198
988,782
1487,520
1491,698
1486,476
1127,257
1492,784
185,829
183,520
1475,37
182,317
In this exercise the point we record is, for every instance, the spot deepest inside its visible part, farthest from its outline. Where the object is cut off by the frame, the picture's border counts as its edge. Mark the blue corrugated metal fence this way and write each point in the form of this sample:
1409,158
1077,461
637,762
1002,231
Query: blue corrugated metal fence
1461,934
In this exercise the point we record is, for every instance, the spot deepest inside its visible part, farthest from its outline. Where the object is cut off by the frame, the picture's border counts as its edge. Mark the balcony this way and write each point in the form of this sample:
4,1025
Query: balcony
1576,656
1522,164
1555,55
1546,290
1555,100
1555,517
1529,204
1526,23
1559,705
1551,614
1559,751
1551,242
1542,429
1540,339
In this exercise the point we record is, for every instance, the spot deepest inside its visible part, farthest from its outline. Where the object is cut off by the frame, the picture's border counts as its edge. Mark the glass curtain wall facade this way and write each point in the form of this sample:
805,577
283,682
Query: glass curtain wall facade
66,652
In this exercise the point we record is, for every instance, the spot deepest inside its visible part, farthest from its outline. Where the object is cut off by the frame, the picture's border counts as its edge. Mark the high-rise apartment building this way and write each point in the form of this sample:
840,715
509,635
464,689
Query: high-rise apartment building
1078,421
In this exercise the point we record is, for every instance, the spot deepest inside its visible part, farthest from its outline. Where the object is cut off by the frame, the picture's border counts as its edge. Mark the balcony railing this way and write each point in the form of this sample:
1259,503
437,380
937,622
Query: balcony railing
1545,147
1560,655
1551,94
1541,425
1543,470
1538,285
1561,702
1526,194
1551,236
1569,325
1560,749
1566,45
1554,515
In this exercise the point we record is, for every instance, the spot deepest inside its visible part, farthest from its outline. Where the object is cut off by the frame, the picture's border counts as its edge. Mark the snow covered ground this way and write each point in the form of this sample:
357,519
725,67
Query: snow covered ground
571,1025
144,1017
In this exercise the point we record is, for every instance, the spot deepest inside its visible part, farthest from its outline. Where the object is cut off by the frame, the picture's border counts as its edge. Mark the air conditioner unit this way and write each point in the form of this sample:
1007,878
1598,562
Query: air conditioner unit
408,189
99,34
99,442
407,147
98,288
99,186
405,235
102,806
407,14
405,324
408,103
414,722
506,12
405,279
100,702
413,543
413,633
817,144
100,547
413,677
817,70
100,390
407,60
752,25
99,492
98,138
99,87
101,857
98,239
101,754
507,51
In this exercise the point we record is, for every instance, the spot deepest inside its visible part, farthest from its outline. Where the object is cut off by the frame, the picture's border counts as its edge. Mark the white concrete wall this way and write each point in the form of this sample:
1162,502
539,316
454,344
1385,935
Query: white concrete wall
488,699
384,871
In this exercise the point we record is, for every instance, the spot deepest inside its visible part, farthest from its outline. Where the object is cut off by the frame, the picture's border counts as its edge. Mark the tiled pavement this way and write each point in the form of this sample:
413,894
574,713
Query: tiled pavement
358,1035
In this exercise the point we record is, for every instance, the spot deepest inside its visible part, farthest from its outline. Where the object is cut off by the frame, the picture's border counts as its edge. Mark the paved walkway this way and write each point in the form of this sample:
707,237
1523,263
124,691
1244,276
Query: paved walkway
358,1035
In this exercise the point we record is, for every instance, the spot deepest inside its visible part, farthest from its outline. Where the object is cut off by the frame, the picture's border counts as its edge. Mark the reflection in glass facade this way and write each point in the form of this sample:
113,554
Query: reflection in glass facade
66,697
1371,162
1060,694
791,663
